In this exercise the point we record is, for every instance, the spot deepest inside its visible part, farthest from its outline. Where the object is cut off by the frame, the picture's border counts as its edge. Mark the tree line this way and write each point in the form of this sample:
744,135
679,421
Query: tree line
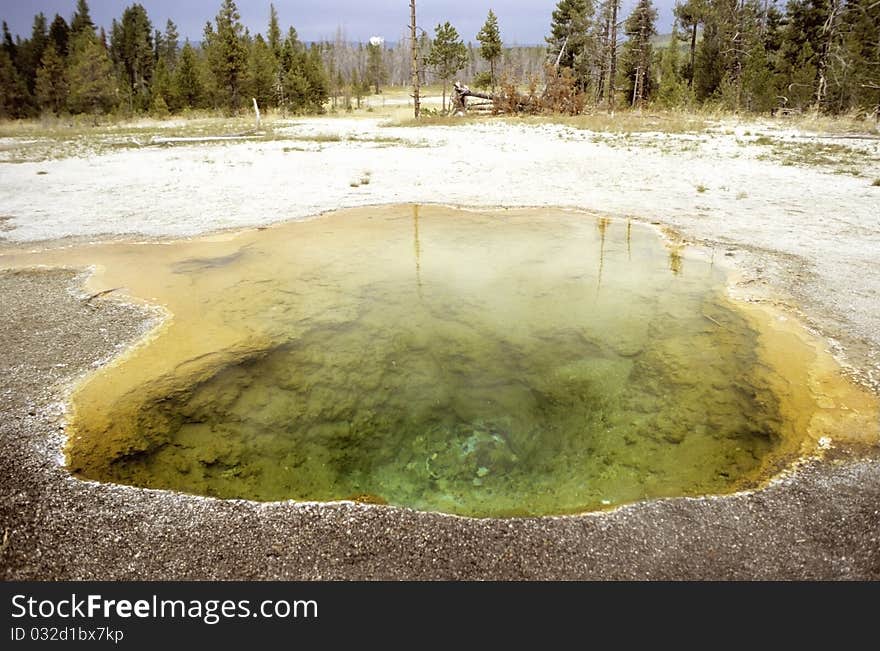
77,68
743,55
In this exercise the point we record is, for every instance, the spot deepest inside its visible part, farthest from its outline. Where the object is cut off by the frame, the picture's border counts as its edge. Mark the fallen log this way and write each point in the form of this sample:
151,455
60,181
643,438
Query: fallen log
500,103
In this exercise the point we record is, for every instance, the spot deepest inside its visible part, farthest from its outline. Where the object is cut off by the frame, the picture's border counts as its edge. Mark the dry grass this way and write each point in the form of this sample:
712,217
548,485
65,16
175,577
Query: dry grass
850,158
434,120
190,125
622,122
58,138
628,122
600,122
851,124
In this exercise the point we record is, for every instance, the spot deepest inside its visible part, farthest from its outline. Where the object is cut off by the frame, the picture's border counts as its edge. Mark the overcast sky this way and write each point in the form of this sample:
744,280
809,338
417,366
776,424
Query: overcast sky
522,21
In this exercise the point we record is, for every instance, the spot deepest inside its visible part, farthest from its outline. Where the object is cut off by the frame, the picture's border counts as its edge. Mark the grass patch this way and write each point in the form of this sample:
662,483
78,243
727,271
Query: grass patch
701,188
626,122
622,123
381,141
876,183
436,121
386,140
321,137
852,124
81,136
840,158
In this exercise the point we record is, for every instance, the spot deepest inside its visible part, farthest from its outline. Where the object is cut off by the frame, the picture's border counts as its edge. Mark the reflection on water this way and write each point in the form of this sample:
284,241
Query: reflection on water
417,248
444,360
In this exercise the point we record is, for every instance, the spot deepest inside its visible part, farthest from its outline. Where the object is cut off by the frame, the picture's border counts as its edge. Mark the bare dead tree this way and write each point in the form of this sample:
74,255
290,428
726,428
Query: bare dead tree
415,58
612,54
829,31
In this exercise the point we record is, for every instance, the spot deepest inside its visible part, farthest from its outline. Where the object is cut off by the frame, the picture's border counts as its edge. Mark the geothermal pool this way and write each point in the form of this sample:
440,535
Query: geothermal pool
479,363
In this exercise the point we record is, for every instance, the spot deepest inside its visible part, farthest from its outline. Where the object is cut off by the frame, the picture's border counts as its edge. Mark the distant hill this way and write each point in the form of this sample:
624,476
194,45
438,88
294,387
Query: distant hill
662,41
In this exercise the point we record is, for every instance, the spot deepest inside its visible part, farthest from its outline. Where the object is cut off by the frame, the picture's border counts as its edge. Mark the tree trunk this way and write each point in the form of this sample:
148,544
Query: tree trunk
444,96
693,54
612,53
829,29
603,64
460,93
415,58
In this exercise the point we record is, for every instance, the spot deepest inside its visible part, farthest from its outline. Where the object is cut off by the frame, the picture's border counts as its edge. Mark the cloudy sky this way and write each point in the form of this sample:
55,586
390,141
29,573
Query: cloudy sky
522,21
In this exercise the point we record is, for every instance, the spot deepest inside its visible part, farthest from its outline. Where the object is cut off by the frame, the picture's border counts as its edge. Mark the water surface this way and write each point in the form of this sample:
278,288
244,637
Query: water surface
476,363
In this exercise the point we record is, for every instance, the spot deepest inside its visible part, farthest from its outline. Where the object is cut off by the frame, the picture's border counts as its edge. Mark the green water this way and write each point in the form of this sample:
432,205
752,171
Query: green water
478,364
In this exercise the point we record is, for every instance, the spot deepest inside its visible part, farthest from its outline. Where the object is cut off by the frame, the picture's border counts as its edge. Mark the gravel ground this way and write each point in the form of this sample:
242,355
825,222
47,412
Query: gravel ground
807,238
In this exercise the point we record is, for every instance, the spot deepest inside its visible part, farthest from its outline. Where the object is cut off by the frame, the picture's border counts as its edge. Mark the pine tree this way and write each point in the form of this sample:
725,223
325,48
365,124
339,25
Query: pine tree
570,41
748,80
170,45
30,52
13,92
689,15
448,54
293,84
637,52
319,85
305,86
187,83
227,54
343,88
262,72
671,88
59,35
82,20
356,86
164,98
131,47
274,32
490,44
861,52
758,81
90,76
9,45
712,62
375,64
800,52
52,82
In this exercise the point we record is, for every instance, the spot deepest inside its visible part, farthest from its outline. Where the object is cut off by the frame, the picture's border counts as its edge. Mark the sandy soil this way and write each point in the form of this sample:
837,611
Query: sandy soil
805,236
